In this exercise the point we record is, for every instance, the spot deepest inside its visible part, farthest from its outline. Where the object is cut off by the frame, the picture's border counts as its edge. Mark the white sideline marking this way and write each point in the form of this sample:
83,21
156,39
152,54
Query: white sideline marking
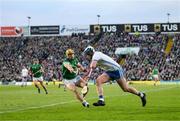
72,101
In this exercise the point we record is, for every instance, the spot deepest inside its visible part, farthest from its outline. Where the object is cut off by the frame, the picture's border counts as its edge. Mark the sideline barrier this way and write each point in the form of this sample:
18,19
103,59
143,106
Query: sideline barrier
52,83
170,82
152,82
143,82
20,83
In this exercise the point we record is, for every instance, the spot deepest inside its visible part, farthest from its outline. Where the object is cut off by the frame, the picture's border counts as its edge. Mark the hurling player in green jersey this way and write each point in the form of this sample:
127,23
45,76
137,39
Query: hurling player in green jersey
71,79
37,74
155,75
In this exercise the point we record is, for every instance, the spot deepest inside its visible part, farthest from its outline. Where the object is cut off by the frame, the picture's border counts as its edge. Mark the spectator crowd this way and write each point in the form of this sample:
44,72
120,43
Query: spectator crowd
18,51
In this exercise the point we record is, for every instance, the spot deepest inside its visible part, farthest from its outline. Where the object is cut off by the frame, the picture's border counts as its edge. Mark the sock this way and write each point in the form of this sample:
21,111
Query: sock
45,89
101,97
84,101
140,94
39,90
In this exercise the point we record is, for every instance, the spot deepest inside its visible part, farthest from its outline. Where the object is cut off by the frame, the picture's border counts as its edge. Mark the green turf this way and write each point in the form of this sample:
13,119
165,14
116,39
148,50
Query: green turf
25,104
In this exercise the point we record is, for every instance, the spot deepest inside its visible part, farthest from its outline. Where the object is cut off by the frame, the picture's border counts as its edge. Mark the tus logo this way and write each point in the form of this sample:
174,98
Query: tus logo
169,27
63,29
109,28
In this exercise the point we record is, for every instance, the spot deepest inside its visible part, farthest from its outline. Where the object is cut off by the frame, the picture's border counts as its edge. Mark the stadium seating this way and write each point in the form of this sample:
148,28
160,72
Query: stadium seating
16,51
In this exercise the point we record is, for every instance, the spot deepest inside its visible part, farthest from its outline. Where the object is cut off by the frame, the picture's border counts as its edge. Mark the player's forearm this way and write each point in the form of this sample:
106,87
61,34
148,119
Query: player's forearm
81,68
92,66
69,67
89,75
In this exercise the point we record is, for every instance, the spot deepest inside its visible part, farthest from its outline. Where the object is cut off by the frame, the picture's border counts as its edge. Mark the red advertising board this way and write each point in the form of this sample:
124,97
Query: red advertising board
11,31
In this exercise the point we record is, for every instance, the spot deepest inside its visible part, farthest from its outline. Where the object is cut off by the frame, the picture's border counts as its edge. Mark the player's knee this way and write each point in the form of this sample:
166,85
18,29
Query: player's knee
75,91
98,83
72,88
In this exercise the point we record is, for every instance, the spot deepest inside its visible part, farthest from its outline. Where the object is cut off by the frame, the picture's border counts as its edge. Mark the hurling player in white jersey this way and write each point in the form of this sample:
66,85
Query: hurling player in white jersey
112,71
24,76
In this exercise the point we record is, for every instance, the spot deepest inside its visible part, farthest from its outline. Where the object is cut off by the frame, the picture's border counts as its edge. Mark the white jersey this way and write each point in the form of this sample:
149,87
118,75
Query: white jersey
105,62
24,72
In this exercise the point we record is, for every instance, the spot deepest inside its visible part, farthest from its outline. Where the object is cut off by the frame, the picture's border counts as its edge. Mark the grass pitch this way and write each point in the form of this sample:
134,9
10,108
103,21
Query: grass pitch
25,104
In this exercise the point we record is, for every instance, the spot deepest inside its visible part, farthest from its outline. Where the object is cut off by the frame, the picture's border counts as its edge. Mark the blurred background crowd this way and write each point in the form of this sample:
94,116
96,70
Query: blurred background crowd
16,52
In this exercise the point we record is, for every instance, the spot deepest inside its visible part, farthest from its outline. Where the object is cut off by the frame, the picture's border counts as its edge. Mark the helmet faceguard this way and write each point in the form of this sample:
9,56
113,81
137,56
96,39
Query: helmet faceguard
89,51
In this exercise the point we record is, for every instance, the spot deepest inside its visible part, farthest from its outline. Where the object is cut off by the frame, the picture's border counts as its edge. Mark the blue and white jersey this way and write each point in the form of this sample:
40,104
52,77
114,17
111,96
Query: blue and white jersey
105,62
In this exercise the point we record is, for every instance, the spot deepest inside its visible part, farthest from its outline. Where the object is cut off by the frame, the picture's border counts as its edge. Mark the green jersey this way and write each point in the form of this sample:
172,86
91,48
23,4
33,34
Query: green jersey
155,71
36,70
66,73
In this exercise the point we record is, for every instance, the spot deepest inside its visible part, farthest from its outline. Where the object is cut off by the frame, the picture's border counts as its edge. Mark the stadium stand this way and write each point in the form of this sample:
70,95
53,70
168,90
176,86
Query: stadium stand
16,51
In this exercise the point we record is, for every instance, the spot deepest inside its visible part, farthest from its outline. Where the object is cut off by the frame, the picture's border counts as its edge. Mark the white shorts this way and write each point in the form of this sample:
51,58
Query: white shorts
156,77
70,81
38,79
24,79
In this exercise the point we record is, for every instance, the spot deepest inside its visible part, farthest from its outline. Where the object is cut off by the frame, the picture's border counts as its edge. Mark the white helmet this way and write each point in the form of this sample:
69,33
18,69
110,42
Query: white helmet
89,50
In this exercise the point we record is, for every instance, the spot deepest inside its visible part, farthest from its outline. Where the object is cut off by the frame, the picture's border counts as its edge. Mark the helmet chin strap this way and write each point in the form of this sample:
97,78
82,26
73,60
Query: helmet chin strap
91,54
89,57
